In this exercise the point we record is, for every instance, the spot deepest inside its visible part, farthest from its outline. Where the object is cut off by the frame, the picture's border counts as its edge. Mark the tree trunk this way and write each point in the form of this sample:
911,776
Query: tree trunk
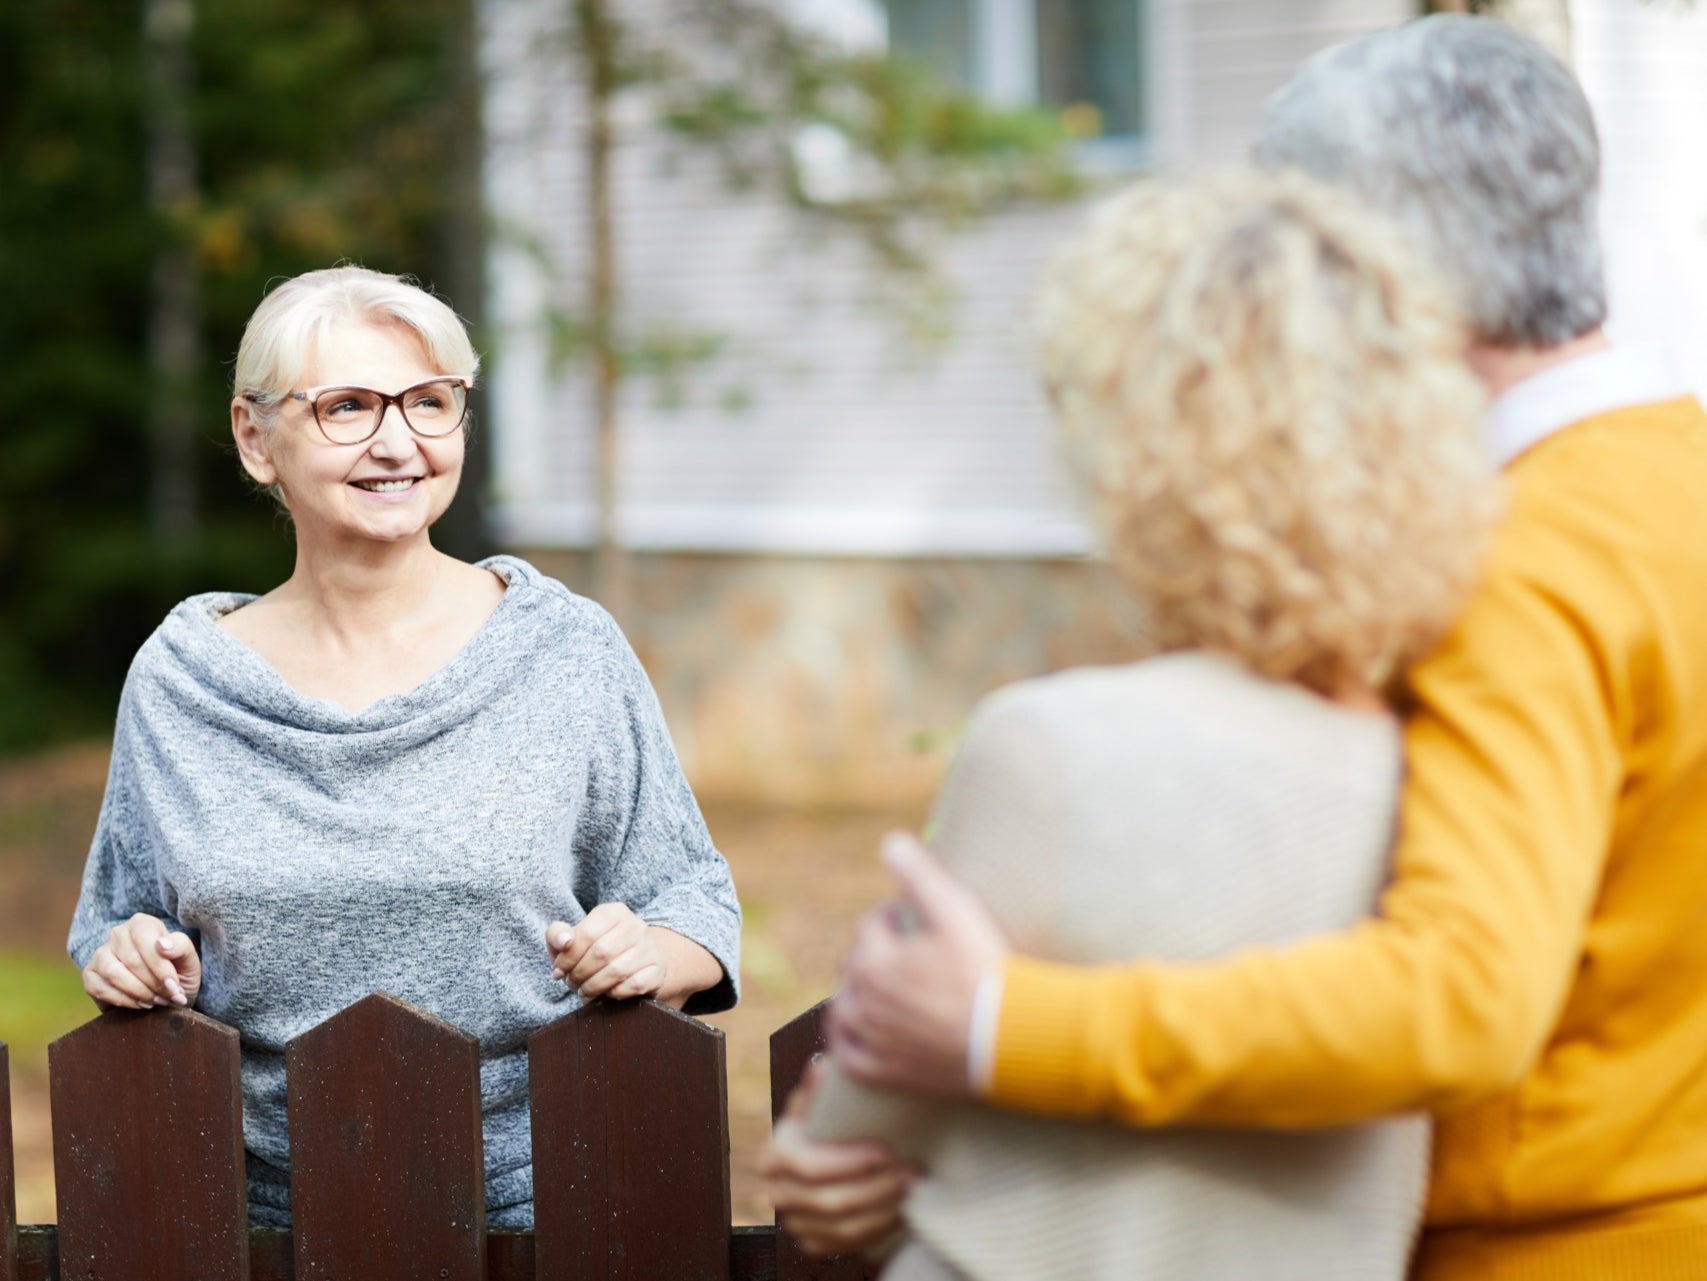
174,329
599,52
462,531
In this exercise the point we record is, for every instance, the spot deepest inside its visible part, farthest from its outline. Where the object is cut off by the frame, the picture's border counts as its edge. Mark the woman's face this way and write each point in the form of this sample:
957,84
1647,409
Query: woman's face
333,491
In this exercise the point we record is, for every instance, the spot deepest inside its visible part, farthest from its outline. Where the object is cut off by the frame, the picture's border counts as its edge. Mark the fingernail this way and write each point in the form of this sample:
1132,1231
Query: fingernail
175,990
557,974
562,939
896,849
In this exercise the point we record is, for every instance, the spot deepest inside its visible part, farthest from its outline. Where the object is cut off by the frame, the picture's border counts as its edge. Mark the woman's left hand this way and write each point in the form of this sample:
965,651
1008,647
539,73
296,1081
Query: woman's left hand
611,952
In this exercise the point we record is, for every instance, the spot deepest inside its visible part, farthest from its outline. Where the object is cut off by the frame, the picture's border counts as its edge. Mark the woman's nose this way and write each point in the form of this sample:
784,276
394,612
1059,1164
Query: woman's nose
393,439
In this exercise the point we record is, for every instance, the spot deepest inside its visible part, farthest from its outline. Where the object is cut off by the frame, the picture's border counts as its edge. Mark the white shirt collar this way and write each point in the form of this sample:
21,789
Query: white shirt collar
1528,412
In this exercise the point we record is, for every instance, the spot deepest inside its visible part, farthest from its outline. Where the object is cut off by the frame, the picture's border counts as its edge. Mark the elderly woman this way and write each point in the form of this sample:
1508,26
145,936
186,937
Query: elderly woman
1265,398
396,770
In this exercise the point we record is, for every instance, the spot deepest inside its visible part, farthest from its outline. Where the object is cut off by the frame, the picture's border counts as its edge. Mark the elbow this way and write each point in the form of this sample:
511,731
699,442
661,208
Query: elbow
1480,1034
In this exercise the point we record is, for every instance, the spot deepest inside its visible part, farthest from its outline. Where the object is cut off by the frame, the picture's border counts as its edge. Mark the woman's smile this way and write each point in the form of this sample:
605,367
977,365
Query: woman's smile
389,488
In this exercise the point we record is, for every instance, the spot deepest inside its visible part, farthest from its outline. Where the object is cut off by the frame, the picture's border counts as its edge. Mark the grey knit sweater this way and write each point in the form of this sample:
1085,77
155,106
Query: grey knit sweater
420,846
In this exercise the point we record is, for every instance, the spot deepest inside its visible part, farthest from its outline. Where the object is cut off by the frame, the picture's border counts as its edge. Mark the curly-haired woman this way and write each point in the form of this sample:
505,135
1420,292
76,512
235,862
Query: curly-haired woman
1264,395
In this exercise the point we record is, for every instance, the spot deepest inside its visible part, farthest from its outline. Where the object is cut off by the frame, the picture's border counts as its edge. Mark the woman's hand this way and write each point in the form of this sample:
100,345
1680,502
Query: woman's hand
832,1198
142,965
612,952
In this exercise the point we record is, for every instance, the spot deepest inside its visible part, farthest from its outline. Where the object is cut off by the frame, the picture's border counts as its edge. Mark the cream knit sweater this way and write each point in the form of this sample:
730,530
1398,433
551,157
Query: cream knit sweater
1181,809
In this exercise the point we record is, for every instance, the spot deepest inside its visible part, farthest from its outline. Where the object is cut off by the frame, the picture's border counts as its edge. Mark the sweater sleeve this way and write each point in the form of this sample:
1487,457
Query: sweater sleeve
1450,993
642,840
118,881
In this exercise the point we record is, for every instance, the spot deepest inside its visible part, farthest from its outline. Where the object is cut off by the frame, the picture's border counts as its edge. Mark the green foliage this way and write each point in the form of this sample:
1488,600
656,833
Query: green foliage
44,1001
920,158
321,134
920,154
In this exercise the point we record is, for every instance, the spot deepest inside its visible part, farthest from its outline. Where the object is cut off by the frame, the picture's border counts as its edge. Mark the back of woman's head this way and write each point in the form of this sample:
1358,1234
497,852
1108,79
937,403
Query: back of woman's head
1262,390
282,334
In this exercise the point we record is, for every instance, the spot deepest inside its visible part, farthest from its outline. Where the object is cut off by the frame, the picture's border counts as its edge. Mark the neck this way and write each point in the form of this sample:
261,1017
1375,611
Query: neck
1359,697
1502,368
365,591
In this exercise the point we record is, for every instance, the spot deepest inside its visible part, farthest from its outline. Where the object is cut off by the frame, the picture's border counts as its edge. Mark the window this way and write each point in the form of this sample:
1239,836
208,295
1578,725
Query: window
1088,60
937,33
1085,56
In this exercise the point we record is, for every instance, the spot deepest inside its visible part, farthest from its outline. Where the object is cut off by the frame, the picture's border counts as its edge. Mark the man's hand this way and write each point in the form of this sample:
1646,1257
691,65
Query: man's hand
142,966
903,1017
832,1198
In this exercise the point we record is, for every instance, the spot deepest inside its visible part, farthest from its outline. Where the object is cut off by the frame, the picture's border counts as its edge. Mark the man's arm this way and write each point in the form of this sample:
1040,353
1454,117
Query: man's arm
1515,754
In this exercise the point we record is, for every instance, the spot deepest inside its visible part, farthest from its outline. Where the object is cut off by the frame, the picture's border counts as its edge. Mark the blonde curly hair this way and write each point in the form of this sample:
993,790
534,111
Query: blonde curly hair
1262,390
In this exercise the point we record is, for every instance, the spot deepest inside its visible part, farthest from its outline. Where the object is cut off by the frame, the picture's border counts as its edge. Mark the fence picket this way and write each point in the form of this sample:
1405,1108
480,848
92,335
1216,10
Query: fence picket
793,1047
148,1149
387,1173
630,1146
8,1188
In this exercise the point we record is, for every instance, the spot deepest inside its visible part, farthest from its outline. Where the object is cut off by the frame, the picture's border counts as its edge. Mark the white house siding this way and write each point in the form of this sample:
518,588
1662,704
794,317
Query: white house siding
850,438
880,533
1240,51
1644,66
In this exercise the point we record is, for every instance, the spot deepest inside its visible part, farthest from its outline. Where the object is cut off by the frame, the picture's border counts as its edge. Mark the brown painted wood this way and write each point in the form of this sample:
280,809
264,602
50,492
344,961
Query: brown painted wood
752,1254
793,1047
148,1149
630,1146
509,1255
8,1186
387,1178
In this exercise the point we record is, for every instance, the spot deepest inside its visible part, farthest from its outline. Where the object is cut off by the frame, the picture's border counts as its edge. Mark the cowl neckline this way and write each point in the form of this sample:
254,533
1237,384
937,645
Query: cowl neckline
229,672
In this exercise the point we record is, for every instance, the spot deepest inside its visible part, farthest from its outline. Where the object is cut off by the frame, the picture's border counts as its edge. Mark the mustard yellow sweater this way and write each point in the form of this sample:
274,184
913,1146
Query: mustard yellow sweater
1537,975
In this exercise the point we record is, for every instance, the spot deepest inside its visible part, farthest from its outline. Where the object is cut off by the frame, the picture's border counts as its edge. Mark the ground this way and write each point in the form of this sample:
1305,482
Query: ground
803,876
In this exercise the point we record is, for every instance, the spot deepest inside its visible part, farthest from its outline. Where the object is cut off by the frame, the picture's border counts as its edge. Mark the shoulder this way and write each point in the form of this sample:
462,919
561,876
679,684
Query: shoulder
1176,704
559,614
1606,530
185,651
566,633
1165,688
1629,480
187,633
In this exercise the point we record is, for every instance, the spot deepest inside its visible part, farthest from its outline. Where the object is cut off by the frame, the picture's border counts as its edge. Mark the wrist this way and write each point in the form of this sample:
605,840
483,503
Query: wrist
688,967
982,1030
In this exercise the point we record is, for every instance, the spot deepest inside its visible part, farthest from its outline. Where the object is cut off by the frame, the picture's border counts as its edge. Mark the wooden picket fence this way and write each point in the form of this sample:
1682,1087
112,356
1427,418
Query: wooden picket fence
631,1154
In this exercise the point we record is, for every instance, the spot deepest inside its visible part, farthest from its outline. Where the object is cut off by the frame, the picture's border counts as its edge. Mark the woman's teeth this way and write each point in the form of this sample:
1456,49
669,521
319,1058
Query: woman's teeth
385,486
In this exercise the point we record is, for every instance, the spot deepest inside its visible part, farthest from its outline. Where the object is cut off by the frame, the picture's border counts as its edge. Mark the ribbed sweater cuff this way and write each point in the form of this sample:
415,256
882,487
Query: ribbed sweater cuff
1043,1040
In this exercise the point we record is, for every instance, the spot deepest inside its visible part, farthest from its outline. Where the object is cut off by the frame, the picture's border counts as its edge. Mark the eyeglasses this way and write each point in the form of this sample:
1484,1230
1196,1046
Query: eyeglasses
351,415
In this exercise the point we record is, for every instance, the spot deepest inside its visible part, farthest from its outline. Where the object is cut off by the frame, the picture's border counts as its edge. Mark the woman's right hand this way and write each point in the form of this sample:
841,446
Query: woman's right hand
142,965
832,1198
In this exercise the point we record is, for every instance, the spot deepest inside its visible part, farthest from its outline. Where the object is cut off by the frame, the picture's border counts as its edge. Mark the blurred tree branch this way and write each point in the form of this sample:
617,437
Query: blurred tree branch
743,83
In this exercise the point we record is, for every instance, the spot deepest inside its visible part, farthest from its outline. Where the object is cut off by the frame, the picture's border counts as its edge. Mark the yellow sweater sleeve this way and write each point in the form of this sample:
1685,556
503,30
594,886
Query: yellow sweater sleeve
1515,765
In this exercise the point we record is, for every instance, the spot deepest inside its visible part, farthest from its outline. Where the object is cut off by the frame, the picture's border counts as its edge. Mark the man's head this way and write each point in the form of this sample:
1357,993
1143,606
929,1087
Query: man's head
1481,142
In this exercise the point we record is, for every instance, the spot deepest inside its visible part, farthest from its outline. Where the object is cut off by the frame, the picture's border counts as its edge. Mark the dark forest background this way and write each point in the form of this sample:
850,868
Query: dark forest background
154,176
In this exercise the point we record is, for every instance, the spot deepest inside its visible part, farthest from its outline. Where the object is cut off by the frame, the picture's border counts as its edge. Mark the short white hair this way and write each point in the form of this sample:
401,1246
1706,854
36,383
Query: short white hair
281,335
1481,142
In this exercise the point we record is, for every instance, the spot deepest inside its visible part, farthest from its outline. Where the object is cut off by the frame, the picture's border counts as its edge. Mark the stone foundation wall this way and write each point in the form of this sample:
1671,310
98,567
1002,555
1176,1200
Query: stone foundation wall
818,680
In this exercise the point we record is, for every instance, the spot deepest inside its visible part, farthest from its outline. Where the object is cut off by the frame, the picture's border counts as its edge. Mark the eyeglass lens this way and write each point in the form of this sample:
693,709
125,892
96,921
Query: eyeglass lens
349,415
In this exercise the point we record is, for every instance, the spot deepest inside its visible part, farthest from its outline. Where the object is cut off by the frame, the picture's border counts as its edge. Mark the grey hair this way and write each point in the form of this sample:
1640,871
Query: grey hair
1482,143
280,337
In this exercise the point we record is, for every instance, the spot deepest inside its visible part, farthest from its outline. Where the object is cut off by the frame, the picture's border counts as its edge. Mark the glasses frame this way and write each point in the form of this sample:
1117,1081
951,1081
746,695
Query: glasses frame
311,397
